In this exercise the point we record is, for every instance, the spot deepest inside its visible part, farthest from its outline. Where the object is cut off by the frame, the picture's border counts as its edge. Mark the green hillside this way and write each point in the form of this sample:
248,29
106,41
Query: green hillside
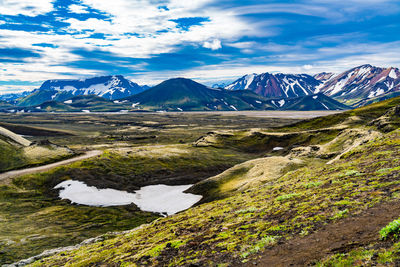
16,152
347,165
187,95
315,102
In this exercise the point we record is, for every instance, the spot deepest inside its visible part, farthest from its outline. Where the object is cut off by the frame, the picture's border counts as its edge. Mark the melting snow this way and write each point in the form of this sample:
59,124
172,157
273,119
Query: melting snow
281,102
85,111
393,74
315,97
179,109
154,198
382,78
68,101
324,105
165,198
376,93
363,71
135,104
258,102
233,107
249,80
339,85
379,92
277,148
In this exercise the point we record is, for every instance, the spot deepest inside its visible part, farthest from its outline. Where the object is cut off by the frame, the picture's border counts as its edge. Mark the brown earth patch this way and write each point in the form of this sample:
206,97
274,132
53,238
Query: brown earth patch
340,237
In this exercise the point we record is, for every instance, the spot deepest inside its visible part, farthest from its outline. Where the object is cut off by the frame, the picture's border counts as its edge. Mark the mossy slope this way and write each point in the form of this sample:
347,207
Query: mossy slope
237,228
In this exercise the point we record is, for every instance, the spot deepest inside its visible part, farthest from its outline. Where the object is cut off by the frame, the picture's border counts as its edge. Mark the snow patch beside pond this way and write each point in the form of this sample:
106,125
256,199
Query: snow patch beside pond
154,198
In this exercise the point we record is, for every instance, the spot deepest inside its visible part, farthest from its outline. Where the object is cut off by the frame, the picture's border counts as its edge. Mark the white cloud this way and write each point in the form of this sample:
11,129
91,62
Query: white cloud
214,45
27,8
140,29
154,28
78,9
7,89
308,67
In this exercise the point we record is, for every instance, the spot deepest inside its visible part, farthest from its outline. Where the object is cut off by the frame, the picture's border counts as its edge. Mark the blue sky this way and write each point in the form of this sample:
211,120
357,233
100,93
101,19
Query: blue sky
207,40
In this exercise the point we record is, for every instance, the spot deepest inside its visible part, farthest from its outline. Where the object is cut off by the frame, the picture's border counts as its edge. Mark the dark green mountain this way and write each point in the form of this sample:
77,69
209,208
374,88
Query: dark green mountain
188,95
36,98
309,102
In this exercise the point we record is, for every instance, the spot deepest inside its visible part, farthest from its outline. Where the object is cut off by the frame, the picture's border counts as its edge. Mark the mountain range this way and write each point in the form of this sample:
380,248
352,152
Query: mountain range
187,95
356,87
182,94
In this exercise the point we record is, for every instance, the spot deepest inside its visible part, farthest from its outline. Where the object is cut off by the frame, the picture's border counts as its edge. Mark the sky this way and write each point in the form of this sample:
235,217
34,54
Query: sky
210,41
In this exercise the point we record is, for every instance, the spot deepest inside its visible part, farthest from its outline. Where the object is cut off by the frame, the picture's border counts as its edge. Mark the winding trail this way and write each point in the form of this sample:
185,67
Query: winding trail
352,232
15,173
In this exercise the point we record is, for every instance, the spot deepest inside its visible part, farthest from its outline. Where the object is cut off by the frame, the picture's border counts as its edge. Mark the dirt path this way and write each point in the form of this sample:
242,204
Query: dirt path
11,174
334,238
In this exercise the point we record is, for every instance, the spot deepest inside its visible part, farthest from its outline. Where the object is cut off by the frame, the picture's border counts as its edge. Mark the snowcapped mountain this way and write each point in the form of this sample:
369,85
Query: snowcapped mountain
242,83
324,76
362,83
108,87
277,85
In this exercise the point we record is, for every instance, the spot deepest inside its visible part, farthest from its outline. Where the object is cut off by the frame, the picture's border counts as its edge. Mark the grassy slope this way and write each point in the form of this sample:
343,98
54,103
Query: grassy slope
235,229
11,156
364,116
33,219
29,207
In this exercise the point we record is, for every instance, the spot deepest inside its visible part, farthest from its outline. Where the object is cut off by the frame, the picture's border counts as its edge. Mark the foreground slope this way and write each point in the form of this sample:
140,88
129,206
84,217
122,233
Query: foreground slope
340,177
139,150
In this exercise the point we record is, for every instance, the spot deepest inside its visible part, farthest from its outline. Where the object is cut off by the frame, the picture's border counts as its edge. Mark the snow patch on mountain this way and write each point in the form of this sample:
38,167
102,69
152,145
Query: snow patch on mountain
393,74
276,85
109,87
363,82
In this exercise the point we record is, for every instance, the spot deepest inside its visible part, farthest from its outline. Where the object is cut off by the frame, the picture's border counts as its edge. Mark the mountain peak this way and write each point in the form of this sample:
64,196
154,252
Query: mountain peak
109,87
363,82
276,85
